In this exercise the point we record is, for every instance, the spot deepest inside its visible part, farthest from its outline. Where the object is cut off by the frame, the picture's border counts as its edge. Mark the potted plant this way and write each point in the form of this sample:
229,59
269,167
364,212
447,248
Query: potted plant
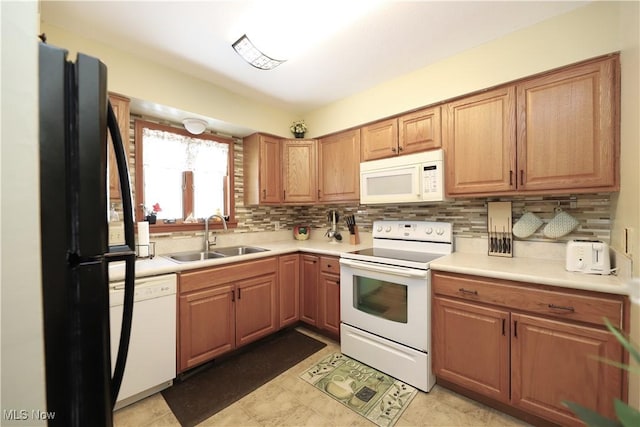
298,128
152,214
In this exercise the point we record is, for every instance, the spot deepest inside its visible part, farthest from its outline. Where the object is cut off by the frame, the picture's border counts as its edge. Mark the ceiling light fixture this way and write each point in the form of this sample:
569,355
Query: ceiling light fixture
253,56
194,126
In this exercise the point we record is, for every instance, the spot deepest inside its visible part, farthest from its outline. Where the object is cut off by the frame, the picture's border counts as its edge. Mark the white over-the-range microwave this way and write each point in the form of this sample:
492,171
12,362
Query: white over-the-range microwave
412,178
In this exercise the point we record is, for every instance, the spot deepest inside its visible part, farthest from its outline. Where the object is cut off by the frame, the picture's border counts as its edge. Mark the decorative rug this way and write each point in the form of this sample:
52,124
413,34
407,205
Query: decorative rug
376,396
206,392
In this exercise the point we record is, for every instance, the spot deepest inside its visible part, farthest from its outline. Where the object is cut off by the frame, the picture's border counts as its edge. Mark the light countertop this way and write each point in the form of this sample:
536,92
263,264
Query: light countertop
161,264
523,269
541,271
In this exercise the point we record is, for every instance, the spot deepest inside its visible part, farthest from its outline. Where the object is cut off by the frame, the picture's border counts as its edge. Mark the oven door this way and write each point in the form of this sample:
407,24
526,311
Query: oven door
390,301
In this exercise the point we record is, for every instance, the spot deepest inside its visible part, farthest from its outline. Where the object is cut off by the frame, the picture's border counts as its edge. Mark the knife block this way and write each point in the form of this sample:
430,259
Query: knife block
499,229
354,238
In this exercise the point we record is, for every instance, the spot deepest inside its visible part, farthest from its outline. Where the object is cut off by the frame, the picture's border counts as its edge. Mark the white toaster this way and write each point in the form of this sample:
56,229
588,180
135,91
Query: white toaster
588,256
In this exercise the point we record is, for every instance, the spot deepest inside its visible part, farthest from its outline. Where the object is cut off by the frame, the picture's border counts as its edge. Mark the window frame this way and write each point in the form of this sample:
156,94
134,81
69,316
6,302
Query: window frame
179,225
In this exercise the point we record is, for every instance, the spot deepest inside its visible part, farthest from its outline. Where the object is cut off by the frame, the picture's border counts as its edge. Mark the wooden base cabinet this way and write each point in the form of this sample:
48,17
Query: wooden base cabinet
256,314
320,293
471,346
223,308
329,295
552,361
528,346
200,340
289,289
309,271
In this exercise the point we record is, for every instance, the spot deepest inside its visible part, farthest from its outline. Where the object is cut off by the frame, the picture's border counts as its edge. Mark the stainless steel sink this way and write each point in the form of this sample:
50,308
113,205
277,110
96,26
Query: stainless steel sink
239,250
195,256
217,253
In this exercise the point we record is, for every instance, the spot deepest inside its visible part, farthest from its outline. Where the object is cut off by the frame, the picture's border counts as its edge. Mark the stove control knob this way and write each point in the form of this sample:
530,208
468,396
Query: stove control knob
429,230
388,229
379,228
439,231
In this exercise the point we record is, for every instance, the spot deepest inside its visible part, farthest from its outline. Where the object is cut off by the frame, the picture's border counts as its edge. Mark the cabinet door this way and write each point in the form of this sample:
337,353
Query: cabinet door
256,314
299,171
120,106
419,131
207,327
379,140
566,129
310,267
329,315
339,167
270,170
289,289
554,361
479,138
471,346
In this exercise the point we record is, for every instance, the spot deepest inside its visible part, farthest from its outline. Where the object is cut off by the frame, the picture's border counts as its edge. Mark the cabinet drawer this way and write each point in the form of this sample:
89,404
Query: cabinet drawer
582,306
207,277
330,265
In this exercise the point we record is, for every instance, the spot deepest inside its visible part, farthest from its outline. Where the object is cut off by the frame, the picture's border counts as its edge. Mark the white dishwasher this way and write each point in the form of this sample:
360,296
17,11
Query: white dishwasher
151,361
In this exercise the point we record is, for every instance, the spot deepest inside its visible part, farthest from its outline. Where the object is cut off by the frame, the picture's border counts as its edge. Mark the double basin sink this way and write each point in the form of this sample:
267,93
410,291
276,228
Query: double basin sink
217,253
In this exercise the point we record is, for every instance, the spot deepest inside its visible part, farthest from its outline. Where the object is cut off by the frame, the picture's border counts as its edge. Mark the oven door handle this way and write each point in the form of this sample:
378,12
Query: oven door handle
396,271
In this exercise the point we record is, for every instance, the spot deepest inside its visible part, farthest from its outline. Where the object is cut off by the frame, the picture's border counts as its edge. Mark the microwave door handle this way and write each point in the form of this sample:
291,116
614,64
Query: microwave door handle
396,271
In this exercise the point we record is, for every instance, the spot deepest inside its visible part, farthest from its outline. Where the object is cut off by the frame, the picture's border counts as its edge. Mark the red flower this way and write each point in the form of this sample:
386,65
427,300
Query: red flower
156,208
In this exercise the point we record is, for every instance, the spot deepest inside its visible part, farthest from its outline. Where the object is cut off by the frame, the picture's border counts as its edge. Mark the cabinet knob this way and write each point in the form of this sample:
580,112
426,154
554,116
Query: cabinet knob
393,149
264,194
400,148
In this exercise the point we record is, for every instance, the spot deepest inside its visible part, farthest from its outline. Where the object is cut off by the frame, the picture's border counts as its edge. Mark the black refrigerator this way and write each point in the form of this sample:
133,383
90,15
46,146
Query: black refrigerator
75,119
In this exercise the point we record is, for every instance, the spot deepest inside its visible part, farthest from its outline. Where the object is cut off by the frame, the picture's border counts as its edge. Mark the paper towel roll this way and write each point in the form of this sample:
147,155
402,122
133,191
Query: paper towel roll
143,239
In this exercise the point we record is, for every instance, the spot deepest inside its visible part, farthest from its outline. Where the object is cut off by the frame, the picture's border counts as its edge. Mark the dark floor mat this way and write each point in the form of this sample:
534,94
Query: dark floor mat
199,396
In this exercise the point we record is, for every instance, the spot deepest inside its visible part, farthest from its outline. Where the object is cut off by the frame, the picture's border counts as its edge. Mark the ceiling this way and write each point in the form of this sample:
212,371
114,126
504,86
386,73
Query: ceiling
385,42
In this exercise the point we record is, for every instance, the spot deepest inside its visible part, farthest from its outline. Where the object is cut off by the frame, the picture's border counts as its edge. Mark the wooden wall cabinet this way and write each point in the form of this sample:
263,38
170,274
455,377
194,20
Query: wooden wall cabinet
528,346
299,175
339,167
480,143
567,129
409,133
552,134
262,165
289,289
120,106
222,308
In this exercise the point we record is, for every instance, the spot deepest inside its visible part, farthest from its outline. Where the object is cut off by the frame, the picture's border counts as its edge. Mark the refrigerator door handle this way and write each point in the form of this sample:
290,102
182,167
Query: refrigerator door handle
124,252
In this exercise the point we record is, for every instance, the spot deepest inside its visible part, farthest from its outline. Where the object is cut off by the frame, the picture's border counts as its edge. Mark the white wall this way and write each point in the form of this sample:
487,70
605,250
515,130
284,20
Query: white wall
22,336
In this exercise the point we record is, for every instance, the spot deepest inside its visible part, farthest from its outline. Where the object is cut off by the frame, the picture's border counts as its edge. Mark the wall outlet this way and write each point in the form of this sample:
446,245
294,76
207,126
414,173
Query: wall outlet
116,233
276,225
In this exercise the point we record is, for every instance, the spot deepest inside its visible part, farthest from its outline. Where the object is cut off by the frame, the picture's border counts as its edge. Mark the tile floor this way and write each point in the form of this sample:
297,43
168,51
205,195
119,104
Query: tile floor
289,401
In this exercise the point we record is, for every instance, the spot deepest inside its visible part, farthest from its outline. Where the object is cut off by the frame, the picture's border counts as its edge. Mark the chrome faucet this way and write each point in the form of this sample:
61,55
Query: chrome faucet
207,243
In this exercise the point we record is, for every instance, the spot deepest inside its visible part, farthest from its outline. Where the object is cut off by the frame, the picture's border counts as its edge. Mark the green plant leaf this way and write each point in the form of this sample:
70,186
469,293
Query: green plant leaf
590,417
628,416
623,340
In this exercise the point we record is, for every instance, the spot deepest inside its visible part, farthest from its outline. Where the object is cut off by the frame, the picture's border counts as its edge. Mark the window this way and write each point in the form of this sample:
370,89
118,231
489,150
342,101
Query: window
190,177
